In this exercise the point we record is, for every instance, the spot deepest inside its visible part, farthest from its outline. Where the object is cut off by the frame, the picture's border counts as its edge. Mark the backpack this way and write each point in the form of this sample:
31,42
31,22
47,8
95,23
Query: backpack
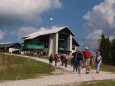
87,54
62,57
79,55
50,58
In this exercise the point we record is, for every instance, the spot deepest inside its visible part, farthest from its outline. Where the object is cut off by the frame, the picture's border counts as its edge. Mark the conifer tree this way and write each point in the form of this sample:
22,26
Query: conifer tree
104,48
112,51
107,52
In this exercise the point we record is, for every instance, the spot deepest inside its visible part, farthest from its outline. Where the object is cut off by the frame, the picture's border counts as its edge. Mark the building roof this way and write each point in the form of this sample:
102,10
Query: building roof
75,42
2,45
46,32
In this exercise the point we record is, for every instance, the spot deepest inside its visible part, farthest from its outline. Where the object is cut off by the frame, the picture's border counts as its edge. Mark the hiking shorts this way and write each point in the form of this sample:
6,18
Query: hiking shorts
87,61
79,63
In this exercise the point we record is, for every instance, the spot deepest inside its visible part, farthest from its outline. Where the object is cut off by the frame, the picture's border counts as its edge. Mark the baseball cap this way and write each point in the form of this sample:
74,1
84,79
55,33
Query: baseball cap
86,47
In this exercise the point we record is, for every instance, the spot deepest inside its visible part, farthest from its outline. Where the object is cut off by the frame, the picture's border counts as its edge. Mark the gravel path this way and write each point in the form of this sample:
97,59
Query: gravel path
66,78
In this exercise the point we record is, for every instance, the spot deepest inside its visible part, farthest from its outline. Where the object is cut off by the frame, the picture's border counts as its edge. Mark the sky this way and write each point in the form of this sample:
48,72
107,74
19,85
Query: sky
87,19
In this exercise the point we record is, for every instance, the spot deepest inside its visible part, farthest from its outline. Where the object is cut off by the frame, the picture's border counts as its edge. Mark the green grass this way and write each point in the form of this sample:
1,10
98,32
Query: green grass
98,83
44,57
107,68
15,67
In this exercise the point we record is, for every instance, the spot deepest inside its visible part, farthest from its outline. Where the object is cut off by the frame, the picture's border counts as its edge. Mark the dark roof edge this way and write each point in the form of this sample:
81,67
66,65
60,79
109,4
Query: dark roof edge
68,30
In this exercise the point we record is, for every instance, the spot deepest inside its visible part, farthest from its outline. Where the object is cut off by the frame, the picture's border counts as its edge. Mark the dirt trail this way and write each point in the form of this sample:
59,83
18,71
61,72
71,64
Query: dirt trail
61,77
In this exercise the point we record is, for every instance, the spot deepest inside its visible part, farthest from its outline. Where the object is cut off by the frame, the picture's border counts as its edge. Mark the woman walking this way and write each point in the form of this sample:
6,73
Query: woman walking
98,61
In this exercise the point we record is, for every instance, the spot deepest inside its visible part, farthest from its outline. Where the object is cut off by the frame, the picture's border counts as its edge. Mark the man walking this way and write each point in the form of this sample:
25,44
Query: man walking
79,60
87,56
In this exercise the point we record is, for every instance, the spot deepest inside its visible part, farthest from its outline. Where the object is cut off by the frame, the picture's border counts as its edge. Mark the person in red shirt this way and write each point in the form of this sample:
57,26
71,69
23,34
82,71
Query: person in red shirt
87,56
56,59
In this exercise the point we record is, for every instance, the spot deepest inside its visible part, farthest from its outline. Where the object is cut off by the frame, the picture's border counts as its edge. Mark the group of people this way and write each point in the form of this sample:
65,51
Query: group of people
62,58
85,59
33,53
79,60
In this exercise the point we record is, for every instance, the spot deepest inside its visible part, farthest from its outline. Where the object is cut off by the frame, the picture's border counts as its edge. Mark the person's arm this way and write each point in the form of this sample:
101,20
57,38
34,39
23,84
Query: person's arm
94,59
83,57
101,60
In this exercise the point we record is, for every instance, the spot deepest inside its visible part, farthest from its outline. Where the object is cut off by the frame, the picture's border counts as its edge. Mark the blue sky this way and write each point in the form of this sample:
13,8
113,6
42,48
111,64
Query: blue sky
71,14
87,19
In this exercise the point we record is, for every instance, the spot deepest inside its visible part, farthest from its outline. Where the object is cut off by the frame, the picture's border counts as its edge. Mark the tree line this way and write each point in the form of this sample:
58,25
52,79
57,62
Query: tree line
107,50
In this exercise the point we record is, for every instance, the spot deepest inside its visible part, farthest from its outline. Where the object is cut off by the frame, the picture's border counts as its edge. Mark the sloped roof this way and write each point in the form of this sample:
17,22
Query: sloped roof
45,32
75,42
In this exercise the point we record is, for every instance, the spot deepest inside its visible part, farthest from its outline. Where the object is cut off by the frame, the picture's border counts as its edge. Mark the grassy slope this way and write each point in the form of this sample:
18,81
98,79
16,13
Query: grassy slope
15,67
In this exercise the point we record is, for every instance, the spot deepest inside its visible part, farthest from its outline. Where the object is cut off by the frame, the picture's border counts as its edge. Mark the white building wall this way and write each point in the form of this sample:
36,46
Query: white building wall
56,43
12,49
70,42
75,49
50,45
53,44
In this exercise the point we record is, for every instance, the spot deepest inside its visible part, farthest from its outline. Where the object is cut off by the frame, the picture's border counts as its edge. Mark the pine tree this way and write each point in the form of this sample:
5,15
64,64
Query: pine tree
108,57
104,48
112,51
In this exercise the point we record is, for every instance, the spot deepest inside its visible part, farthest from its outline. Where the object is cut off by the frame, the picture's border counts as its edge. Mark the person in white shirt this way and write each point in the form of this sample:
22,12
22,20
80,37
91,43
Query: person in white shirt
98,61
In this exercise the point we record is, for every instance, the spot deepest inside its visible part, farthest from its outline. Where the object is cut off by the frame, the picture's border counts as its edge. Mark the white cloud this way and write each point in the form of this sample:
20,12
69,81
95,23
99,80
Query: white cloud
53,27
102,16
25,11
95,35
112,37
25,31
42,28
101,19
1,35
92,39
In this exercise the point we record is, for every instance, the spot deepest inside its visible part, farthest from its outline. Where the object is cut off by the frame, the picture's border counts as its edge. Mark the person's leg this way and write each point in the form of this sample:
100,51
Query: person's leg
87,69
49,63
73,67
71,61
96,64
66,63
98,67
78,65
88,65
62,62
55,62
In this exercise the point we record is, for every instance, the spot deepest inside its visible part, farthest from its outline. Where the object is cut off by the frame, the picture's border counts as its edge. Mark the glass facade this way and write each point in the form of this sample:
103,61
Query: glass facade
62,42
